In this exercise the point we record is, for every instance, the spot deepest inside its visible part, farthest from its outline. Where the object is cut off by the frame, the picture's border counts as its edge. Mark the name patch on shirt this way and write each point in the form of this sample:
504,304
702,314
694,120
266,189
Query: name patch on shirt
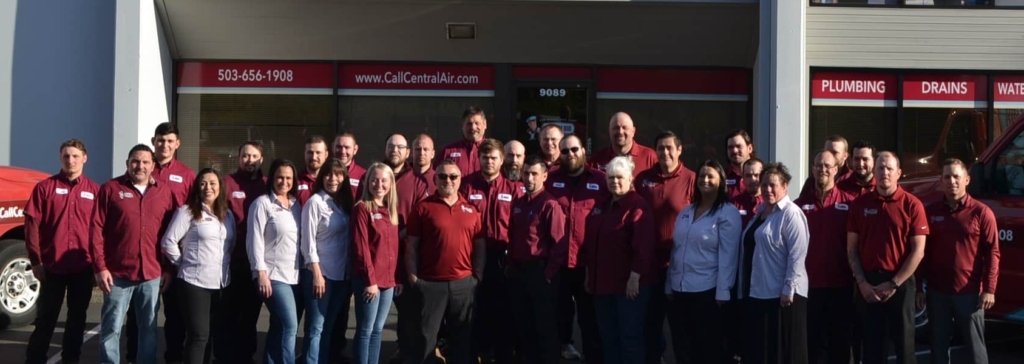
377,216
476,197
125,195
938,218
517,210
649,184
88,195
842,206
504,197
354,182
558,185
730,182
303,187
61,191
808,207
743,212
207,219
870,212
593,186
595,211
455,155
467,209
238,194
175,178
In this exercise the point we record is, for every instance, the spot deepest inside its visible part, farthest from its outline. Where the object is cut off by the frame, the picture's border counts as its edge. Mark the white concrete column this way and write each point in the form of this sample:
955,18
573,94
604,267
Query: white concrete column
780,88
142,78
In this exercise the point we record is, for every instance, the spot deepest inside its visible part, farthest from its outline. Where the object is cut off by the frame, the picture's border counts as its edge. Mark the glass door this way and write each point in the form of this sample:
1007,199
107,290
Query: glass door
565,105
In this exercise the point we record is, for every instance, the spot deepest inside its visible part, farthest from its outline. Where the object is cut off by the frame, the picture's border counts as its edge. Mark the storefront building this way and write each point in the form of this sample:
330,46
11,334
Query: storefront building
928,80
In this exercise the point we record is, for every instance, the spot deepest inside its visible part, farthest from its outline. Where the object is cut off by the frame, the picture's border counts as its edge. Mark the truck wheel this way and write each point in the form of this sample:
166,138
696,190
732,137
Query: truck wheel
922,331
19,289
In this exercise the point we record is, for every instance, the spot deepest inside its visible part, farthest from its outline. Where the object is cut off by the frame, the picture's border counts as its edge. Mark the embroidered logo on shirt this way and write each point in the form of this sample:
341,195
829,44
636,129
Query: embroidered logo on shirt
504,197
125,195
842,206
870,212
476,197
207,219
595,211
730,182
558,185
522,188
61,191
175,178
649,184
353,182
377,216
592,186
455,155
87,195
938,218
303,187
238,194
467,209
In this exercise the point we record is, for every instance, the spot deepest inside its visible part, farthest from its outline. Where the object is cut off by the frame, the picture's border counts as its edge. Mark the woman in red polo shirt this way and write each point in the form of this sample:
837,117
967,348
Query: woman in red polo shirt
619,243
375,237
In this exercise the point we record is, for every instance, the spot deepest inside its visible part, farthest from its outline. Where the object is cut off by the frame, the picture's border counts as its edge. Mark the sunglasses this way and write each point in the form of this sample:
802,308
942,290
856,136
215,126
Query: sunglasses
450,177
573,149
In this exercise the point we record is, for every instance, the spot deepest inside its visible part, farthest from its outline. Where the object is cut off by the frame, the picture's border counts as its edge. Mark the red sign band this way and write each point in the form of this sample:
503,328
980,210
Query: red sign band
945,91
853,89
255,78
673,84
1009,92
415,80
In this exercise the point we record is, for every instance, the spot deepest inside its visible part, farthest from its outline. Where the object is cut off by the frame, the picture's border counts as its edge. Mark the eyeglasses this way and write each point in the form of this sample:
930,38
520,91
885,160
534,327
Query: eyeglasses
450,177
824,166
573,149
399,147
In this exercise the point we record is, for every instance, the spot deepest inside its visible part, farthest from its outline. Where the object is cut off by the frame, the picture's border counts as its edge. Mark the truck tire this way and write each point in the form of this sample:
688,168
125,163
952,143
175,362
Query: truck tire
19,289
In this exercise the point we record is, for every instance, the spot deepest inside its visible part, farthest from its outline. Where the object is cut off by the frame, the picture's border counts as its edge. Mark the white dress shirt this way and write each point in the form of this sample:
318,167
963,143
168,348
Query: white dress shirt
780,247
204,255
326,238
704,253
273,238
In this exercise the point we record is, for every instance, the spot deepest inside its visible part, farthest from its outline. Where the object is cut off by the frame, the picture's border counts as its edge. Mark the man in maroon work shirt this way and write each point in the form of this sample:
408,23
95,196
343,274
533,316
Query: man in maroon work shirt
422,159
131,214
515,155
885,242
315,155
862,165
668,187
739,148
829,307
961,266
577,188
57,219
537,251
464,152
492,195
345,149
236,342
621,132
838,146
445,262
177,177
550,137
747,201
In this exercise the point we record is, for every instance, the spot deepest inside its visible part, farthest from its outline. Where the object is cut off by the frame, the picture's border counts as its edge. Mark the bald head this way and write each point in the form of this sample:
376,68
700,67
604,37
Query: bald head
515,155
621,131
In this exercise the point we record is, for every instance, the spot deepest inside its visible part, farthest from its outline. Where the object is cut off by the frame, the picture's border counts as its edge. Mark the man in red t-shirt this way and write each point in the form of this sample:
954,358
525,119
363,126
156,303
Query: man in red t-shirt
885,241
739,148
621,132
961,266
444,263
57,220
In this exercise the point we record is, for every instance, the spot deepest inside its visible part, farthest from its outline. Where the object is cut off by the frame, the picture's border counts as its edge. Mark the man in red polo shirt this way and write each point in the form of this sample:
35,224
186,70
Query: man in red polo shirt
577,188
57,219
747,201
828,304
621,132
862,165
492,195
538,248
885,242
315,155
550,137
131,214
668,187
838,146
345,149
236,342
515,155
444,263
739,148
961,266
464,152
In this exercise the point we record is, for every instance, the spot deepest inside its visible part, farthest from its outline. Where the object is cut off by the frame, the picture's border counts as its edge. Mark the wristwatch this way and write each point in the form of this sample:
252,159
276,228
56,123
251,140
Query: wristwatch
894,284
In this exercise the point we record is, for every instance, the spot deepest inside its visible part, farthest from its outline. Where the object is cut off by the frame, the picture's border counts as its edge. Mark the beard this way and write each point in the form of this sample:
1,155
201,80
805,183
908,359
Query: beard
572,165
394,163
511,172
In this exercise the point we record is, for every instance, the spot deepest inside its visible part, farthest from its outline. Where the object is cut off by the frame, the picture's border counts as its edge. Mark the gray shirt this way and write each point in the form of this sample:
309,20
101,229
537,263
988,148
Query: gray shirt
204,255
273,238
326,238
779,252
704,253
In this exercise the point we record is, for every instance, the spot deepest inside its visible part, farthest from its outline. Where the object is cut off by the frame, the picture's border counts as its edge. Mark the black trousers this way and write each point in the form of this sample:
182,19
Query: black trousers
534,302
829,324
575,302
891,320
452,302
492,315
654,320
776,334
696,324
174,329
199,308
234,336
78,287
338,340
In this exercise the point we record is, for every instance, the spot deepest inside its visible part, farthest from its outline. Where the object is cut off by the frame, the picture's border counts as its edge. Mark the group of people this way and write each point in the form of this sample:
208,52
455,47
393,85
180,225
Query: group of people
496,253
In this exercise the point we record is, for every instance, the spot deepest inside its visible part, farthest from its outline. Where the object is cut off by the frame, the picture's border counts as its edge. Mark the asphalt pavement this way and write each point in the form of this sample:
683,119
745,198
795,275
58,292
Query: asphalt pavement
1005,341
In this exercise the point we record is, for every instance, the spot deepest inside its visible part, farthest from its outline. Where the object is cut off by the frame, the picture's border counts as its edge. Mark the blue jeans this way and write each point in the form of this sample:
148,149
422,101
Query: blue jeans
145,297
370,317
284,324
621,323
320,316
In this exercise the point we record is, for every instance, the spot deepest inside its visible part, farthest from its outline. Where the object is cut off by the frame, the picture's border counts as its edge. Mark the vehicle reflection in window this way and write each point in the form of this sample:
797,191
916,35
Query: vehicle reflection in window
1011,164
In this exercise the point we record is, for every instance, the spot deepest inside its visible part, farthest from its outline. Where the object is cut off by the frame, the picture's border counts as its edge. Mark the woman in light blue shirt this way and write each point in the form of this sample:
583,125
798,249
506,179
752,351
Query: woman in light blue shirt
702,269
776,311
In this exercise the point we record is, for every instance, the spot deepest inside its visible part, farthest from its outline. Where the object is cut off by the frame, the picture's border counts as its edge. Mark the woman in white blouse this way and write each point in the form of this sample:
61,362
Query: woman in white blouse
325,244
199,241
702,269
776,311
273,247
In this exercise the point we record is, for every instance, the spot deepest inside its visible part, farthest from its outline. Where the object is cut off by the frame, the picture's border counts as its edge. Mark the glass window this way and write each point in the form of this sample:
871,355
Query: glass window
213,126
857,2
1008,178
948,3
702,125
1004,119
372,119
539,106
874,124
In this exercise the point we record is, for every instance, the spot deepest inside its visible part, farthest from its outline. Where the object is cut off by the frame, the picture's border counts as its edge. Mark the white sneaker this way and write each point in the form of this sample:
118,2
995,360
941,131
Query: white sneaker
569,352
